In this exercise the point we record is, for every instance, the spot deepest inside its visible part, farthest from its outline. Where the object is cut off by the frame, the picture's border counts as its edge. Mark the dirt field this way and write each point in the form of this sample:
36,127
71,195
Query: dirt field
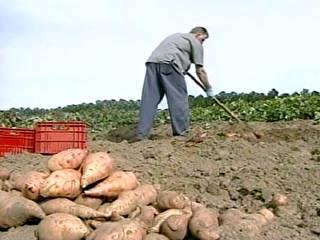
222,172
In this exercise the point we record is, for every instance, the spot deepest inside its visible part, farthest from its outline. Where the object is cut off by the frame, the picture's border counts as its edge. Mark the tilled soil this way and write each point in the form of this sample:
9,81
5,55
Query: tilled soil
221,169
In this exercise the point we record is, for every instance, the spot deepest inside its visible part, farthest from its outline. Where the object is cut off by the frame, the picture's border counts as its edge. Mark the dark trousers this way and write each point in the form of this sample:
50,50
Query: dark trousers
160,79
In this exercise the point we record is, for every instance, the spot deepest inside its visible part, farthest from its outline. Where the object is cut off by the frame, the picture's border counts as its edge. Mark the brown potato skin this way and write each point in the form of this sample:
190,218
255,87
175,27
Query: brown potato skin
33,181
175,227
16,210
62,183
95,167
67,159
92,202
129,200
278,200
62,226
155,236
204,223
146,215
231,217
123,230
251,224
112,186
172,200
64,205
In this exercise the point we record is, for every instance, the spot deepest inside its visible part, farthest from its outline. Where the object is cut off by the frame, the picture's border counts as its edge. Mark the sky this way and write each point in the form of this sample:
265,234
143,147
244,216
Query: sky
60,52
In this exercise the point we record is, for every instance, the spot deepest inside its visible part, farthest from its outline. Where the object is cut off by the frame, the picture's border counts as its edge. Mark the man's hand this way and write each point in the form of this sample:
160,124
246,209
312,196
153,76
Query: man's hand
202,75
209,92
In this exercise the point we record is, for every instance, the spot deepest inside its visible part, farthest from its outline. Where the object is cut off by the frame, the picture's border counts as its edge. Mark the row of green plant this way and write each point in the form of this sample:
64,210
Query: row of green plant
109,114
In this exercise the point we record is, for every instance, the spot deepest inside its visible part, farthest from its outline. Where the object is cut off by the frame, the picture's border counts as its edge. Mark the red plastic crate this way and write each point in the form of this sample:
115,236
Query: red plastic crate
54,137
16,140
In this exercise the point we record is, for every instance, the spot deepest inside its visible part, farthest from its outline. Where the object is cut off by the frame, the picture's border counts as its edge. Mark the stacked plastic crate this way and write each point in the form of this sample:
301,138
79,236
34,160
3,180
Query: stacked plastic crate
16,140
46,138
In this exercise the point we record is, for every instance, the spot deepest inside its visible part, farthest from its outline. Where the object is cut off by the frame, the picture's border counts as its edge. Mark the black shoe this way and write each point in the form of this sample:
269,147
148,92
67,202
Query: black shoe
183,134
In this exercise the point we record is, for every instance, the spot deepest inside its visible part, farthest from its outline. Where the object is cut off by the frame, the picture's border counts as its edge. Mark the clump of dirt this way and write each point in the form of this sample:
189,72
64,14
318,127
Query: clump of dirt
221,170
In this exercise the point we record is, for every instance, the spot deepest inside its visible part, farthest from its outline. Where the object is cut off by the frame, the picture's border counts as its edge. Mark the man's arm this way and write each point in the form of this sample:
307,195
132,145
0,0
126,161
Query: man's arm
202,75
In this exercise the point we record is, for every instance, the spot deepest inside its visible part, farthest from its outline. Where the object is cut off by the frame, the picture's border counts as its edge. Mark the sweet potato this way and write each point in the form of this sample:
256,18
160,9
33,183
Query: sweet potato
16,180
61,226
7,186
92,202
112,186
176,226
123,230
204,223
16,193
252,224
129,200
62,183
231,217
93,224
16,210
4,173
33,181
64,205
172,200
147,193
278,200
67,159
145,214
162,217
155,236
95,167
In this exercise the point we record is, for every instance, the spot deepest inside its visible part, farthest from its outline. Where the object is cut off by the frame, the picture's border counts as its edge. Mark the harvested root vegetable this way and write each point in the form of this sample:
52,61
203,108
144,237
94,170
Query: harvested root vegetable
92,202
172,200
147,193
33,181
7,186
162,217
19,180
62,183
16,193
129,200
3,186
93,223
95,167
278,200
16,180
204,223
263,217
112,186
61,226
176,226
155,236
64,205
252,224
231,217
17,210
145,214
123,230
67,159
4,173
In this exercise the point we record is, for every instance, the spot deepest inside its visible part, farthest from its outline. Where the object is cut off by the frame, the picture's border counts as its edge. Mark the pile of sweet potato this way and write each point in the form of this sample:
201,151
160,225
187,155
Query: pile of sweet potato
84,196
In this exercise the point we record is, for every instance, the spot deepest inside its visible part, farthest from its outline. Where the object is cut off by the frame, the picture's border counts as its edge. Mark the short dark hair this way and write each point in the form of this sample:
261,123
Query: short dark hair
201,30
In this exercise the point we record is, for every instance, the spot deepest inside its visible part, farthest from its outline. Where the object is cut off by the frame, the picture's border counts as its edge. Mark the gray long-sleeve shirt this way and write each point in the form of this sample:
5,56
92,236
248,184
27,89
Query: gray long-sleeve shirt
180,48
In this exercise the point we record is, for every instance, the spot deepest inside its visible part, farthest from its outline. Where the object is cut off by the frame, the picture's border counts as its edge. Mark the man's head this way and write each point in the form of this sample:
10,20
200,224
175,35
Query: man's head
200,33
